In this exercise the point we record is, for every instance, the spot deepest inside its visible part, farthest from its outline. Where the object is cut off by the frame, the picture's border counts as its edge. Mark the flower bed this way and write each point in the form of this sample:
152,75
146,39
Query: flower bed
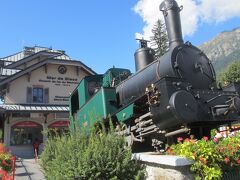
212,159
7,163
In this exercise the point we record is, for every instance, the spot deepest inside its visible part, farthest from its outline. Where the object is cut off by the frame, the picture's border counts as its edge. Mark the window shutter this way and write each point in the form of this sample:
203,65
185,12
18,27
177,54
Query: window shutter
46,95
29,95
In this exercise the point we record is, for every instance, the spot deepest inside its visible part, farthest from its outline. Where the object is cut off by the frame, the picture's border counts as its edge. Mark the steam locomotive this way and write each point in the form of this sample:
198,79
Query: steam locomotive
175,94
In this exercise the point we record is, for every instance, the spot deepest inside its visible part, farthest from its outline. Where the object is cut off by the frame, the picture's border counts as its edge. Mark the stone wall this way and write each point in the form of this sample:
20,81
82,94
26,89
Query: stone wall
165,167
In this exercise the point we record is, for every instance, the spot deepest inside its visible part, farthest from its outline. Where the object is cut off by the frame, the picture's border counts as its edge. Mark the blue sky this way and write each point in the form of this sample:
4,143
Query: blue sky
101,33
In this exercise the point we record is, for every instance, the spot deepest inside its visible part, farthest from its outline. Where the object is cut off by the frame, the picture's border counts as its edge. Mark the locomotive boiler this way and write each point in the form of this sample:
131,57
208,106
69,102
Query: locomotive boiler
175,94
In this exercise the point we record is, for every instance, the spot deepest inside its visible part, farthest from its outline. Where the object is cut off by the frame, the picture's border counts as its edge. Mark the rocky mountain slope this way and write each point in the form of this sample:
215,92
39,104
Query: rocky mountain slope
223,49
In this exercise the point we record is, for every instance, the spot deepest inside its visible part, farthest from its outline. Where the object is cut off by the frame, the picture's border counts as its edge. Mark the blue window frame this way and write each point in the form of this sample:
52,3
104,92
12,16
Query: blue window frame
37,95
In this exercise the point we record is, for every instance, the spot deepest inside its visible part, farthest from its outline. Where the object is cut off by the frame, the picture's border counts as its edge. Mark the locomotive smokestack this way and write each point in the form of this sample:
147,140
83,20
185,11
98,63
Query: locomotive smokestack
171,15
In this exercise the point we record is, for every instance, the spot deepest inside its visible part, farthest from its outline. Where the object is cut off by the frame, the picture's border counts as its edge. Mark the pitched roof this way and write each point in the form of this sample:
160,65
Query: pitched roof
28,51
10,65
42,63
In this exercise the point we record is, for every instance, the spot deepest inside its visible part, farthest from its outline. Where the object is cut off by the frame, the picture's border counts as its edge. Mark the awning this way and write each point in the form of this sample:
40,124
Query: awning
33,108
26,124
59,124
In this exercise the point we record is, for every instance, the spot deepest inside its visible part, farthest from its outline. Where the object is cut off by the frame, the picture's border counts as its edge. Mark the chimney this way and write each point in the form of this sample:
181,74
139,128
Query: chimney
171,13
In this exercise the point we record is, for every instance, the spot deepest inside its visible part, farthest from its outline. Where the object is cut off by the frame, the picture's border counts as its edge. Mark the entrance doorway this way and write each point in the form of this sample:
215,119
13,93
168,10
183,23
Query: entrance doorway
59,128
25,132
22,136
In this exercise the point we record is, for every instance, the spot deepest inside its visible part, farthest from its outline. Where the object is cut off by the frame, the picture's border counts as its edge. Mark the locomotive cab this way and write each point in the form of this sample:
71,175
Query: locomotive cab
95,97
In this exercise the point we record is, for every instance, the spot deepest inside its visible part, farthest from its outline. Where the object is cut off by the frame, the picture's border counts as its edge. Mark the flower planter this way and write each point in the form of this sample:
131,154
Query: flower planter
212,159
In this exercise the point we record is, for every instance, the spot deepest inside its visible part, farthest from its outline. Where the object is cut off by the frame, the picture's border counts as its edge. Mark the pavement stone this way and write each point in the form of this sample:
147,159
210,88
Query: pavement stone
28,169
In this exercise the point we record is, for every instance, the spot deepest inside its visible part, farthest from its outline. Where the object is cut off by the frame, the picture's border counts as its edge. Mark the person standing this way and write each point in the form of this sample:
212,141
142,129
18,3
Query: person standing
36,147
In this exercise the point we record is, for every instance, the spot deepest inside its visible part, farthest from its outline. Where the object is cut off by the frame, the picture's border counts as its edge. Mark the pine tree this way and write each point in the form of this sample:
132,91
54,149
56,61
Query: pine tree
159,40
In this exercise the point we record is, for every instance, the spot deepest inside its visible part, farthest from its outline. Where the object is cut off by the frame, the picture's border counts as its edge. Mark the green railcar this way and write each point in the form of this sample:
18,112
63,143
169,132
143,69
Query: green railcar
95,98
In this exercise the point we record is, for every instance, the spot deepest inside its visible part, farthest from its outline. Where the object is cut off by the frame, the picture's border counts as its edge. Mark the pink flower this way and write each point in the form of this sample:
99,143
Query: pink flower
215,140
227,160
238,161
179,139
187,140
205,138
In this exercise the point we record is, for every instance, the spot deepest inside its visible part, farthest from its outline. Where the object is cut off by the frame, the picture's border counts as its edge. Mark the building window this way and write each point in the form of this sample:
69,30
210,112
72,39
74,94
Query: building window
61,115
21,115
37,95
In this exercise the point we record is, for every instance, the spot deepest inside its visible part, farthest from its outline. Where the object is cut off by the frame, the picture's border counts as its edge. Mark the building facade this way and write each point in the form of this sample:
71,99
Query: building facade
35,85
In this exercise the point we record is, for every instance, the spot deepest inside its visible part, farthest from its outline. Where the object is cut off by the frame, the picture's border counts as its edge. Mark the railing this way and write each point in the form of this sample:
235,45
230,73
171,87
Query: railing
8,72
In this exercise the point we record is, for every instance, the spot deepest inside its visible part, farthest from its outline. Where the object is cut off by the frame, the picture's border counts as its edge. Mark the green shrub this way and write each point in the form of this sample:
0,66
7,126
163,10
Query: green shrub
89,156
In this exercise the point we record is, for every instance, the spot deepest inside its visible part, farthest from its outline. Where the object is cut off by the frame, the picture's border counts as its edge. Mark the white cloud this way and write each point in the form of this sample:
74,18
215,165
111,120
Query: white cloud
194,11
219,10
149,11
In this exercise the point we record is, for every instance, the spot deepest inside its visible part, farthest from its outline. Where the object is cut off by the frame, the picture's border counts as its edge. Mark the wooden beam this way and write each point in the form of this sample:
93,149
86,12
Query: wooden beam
77,70
8,87
46,68
29,76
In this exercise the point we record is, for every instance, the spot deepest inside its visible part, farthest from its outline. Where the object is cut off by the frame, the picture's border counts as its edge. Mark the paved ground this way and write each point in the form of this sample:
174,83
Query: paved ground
28,169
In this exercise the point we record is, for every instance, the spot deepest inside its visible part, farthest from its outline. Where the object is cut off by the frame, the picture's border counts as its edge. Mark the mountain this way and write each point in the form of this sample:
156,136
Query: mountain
223,49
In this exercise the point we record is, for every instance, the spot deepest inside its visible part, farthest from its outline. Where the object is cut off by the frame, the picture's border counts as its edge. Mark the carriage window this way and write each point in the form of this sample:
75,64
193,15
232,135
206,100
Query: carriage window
92,87
74,103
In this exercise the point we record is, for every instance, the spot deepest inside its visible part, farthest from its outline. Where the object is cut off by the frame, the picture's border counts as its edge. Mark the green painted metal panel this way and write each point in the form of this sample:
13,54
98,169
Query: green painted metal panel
82,93
97,108
71,126
125,113
84,85
115,74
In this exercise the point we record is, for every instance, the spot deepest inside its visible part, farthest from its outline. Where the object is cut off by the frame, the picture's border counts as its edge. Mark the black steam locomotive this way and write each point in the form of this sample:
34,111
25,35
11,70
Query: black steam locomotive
176,94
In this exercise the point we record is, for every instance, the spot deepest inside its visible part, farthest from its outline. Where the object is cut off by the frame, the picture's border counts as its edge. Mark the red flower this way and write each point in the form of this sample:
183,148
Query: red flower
203,160
5,163
227,160
229,147
179,139
170,151
205,138
238,161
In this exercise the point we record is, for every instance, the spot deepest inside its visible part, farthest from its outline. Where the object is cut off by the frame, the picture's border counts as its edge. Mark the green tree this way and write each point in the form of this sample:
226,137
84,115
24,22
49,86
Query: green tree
159,40
230,74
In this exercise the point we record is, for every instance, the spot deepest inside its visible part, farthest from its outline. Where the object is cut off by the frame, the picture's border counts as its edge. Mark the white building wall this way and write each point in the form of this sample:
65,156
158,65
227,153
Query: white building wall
60,85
